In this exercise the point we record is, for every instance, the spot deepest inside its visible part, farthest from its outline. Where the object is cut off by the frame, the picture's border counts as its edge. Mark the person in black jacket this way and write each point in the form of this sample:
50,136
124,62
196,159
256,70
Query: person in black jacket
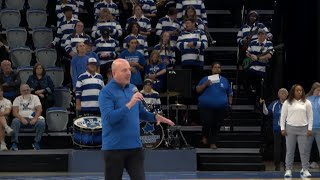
42,86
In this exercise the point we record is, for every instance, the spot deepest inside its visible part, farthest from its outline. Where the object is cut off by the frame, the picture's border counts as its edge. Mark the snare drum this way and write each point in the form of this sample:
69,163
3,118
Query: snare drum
87,131
151,135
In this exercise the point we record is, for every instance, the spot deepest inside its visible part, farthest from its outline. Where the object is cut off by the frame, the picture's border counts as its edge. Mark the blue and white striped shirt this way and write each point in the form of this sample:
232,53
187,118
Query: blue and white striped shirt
192,56
166,53
153,100
197,4
72,41
257,48
87,91
148,6
167,24
113,8
64,31
199,23
109,46
145,24
60,14
142,47
113,26
245,32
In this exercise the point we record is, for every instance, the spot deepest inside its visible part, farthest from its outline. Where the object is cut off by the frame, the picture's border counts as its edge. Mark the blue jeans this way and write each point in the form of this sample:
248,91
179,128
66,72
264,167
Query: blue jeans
16,124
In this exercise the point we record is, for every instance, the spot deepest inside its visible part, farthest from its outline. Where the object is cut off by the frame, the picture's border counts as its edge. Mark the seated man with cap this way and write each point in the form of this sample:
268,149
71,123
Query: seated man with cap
151,97
88,88
106,48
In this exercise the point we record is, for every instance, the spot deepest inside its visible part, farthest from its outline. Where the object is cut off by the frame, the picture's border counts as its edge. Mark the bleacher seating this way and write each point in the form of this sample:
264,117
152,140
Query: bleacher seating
46,57
15,4
10,18
16,37
24,72
56,74
57,119
36,18
38,4
20,56
42,37
62,97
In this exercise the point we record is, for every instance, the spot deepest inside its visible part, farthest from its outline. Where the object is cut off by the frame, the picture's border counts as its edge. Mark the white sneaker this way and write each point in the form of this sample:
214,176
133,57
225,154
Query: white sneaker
288,173
314,165
8,130
3,147
305,173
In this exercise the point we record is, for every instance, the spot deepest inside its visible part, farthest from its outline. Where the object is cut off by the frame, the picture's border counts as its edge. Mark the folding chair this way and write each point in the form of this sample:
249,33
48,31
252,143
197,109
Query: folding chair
57,119
24,72
42,37
20,56
10,18
38,4
46,57
16,37
36,18
56,74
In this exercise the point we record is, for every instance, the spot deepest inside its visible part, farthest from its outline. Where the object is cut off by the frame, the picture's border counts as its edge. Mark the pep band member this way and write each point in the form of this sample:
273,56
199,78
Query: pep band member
121,112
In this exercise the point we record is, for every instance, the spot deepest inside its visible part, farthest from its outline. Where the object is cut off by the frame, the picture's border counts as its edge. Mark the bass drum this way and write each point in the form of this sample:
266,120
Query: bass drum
151,134
87,132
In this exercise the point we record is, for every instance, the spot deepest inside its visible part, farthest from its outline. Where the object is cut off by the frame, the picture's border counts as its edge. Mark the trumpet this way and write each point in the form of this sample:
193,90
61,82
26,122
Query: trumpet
211,41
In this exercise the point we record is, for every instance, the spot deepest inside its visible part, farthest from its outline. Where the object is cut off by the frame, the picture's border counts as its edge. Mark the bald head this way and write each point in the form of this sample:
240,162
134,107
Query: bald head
121,71
118,63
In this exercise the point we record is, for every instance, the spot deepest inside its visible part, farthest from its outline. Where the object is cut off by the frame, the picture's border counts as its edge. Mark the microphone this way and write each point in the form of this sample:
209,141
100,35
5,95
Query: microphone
135,90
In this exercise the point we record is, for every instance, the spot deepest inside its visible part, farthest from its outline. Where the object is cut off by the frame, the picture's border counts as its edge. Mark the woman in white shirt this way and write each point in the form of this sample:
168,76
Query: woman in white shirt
296,124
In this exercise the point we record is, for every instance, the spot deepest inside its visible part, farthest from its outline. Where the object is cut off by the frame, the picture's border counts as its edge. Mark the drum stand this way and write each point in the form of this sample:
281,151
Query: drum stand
173,140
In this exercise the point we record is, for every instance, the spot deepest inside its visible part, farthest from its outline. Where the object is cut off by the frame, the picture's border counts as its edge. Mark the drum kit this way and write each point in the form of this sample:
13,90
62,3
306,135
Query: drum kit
87,130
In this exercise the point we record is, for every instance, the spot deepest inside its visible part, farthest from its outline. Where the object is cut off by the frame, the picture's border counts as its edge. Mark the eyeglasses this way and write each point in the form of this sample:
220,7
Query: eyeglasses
25,90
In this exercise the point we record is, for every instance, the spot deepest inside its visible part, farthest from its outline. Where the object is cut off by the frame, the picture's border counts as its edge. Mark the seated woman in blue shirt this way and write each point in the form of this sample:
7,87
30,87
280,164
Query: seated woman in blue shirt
215,98
42,86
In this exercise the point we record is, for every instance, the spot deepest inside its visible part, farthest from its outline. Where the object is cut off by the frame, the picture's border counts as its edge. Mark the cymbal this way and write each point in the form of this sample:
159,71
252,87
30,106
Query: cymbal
177,105
169,94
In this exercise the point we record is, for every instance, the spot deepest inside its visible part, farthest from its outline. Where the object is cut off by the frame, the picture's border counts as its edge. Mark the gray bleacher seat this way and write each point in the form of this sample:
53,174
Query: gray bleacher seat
57,119
14,4
24,72
56,74
10,18
36,18
46,57
16,37
20,56
38,4
62,97
42,37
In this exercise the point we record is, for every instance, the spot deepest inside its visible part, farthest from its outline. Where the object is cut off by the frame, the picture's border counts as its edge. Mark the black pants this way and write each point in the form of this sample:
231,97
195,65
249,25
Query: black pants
130,159
211,119
279,148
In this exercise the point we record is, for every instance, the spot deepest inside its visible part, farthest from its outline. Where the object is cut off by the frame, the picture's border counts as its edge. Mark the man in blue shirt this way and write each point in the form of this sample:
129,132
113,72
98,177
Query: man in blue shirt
279,141
121,112
216,96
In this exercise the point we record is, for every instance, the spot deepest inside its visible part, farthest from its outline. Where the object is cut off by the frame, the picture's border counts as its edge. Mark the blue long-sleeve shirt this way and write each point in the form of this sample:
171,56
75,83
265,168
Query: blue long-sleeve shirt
78,66
315,101
121,125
